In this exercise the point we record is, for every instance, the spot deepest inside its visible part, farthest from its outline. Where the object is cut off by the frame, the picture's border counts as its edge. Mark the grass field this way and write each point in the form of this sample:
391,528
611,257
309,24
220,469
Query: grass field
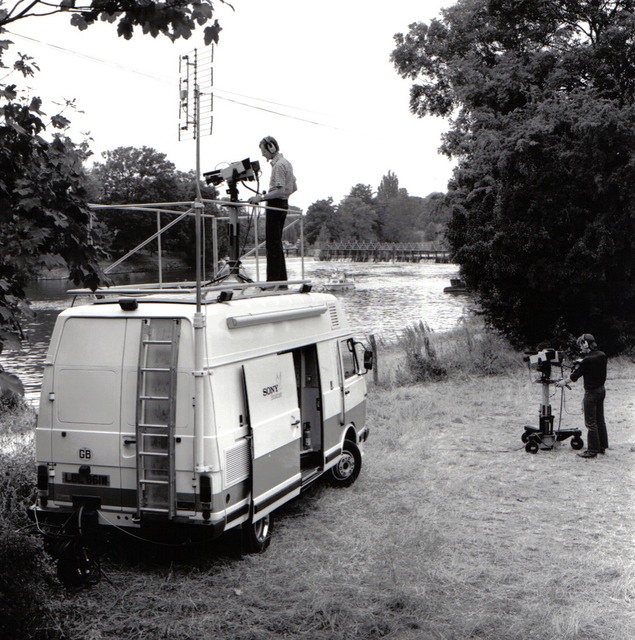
452,531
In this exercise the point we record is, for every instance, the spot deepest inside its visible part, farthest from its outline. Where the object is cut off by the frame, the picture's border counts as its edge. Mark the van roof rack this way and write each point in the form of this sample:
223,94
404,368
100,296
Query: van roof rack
246,289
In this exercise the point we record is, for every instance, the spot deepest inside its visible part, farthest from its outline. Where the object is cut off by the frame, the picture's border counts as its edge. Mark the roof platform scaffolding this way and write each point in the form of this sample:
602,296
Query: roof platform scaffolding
221,279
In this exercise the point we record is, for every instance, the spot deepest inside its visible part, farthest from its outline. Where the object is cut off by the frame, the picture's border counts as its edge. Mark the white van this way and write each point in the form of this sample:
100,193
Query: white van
155,417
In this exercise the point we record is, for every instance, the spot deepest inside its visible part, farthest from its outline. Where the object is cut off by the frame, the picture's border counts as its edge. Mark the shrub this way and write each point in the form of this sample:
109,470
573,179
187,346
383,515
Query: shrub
421,363
26,572
470,349
26,577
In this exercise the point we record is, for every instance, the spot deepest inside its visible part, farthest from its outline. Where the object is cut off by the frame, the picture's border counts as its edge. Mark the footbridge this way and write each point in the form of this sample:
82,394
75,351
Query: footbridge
382,252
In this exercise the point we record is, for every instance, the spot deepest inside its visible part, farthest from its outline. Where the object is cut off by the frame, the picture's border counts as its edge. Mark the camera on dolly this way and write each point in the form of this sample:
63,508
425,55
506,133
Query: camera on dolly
543,436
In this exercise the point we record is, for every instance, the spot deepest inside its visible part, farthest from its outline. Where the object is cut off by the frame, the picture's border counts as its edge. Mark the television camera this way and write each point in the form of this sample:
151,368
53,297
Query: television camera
242,171
544,436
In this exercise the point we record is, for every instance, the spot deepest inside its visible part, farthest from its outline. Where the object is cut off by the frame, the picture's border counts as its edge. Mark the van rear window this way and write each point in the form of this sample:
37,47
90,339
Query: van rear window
88,371
92,341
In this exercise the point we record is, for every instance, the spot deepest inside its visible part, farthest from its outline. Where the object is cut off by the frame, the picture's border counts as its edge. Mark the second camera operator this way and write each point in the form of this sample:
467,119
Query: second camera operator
593,369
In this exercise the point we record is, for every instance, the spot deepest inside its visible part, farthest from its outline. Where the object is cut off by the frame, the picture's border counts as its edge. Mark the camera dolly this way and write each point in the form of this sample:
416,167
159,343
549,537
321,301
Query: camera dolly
544,436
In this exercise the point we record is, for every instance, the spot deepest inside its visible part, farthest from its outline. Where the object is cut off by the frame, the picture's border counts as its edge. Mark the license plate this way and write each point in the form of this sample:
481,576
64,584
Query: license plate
92,479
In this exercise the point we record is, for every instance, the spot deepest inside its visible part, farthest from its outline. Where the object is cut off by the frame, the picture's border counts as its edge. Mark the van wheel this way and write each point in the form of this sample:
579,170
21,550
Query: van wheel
256,536
345,472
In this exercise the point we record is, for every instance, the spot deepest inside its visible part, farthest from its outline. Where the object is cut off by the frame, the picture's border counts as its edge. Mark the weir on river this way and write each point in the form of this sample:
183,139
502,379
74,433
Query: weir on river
382,252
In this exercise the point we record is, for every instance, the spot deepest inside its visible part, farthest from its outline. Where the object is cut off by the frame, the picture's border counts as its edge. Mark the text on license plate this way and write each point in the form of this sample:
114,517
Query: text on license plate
91,478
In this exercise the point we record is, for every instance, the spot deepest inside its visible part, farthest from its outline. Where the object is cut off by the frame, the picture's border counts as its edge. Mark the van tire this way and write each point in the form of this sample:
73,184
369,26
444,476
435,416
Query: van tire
345,472
256,536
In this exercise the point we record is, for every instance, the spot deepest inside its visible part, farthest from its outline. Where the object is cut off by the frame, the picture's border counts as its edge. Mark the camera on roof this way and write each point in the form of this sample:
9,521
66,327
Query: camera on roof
241,171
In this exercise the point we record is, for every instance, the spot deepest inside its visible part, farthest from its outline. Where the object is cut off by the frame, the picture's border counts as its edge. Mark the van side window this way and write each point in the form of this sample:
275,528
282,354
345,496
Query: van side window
349,361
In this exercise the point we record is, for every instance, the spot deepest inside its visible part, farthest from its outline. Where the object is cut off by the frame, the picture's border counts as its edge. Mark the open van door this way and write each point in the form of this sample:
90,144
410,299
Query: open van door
353,385
275,426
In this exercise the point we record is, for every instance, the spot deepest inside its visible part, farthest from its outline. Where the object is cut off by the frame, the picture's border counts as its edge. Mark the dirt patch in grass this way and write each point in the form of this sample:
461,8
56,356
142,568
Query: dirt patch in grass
451,531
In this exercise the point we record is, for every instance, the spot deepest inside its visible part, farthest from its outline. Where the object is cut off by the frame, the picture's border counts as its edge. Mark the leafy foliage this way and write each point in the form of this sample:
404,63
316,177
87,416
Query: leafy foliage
542,97
172,19
44,219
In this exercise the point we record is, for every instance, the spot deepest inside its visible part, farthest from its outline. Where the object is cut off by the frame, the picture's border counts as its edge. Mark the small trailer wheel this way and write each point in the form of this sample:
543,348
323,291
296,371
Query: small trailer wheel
577,442
531,447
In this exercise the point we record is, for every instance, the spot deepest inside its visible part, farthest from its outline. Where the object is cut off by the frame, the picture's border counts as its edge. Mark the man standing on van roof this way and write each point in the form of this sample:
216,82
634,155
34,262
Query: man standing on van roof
281,185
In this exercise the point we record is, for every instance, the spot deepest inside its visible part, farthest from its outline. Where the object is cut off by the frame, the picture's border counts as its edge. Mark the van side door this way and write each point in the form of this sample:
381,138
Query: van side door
275,425
353,384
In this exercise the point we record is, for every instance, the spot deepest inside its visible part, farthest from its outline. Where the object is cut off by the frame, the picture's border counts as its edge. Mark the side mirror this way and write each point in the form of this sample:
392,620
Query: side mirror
368,359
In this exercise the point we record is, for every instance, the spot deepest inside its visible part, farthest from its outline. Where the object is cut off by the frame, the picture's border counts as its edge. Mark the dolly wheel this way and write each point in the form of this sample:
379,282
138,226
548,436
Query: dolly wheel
577,442
531,447
525,437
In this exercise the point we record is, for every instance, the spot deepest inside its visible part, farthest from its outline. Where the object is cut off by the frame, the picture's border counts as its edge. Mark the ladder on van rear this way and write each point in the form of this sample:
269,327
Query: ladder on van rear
156,416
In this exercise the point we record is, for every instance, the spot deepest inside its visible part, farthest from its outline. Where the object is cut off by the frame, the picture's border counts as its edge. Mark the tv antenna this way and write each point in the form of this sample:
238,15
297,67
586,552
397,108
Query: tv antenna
196,100
196,80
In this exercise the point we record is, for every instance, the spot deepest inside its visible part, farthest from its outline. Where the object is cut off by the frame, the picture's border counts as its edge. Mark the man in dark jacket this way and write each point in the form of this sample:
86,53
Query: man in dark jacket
593,369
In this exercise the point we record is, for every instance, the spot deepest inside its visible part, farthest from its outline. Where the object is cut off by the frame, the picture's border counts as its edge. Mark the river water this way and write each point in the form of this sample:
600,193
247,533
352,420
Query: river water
387,298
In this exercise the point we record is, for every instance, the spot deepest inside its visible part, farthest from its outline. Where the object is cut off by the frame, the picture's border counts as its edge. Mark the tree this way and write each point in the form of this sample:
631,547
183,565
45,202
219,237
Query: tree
542,96
363,192
174,20
130,175
359,219
388,187
45,220
322,220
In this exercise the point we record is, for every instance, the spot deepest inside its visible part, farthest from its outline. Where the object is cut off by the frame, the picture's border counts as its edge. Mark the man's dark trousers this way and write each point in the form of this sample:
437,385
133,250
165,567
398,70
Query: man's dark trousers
274,224
593,404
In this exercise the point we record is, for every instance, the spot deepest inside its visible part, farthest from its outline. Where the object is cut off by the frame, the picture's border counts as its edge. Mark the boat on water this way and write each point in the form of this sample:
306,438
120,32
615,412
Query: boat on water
339,282
457,286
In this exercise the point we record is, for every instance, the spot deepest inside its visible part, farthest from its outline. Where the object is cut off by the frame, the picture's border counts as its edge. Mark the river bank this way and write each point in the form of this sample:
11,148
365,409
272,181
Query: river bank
452,530
139,263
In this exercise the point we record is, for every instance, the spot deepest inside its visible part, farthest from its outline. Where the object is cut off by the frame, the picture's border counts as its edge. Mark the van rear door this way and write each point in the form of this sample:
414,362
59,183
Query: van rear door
86,416
274,419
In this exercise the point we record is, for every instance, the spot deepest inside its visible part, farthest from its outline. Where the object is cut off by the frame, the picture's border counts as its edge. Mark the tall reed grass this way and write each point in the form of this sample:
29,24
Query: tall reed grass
470,349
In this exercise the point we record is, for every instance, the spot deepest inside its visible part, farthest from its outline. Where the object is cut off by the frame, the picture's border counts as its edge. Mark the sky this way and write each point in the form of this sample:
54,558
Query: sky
315,76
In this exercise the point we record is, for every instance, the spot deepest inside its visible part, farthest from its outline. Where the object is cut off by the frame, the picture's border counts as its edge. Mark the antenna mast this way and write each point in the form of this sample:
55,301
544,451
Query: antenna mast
195,108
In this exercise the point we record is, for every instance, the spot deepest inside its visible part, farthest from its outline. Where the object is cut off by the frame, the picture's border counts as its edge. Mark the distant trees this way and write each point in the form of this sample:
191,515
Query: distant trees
542,100
322,222
390,215
132,175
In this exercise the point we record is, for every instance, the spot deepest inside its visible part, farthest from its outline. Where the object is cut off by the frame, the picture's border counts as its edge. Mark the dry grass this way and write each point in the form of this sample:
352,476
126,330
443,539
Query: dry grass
452,531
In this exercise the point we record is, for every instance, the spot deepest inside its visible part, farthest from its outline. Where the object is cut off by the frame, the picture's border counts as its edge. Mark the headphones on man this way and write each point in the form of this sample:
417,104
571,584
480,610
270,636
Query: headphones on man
586,341
271,144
